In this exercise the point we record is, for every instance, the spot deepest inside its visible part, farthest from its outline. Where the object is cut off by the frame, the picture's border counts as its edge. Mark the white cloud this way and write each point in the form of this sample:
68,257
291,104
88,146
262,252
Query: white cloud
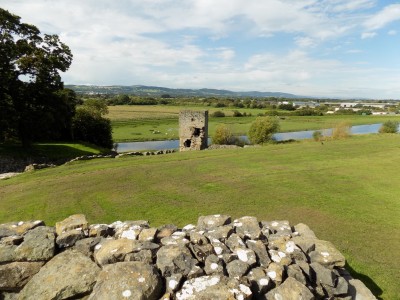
392,32
387,15
368,35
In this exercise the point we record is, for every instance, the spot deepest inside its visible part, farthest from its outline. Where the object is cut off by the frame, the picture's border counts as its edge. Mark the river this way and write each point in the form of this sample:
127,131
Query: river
282,136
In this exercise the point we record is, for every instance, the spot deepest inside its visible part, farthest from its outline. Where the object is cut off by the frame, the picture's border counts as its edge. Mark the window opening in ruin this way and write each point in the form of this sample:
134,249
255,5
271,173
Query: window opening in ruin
187,143
196,132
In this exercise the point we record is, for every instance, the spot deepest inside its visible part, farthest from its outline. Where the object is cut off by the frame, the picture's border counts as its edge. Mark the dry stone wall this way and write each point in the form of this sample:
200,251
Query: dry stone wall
218,258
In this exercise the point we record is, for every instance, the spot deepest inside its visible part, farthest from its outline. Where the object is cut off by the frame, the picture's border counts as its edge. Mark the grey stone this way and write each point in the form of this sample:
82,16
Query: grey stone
166,230
213,265
173,283
296,272
111,251
212,221
220,248
220,233
342,287
8,296
100,230
246,255
69,238
7,253
212,287
234,241
275,272
327,255
323,275
306,244
145,256
86,246
291,289
18,228
148,234
15,275
72,222
304,231
195,272
128,280
12,240
359,291
201,251
38,245
198,238
247,227
261,252
280,257
278,228
237,268
174,240
69,274
260,282
173,259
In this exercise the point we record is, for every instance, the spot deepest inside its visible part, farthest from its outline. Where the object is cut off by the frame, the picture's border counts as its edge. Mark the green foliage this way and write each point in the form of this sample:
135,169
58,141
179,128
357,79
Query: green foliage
317,136
237,113
341,131
307,111
262,129
288,106
31,106
389,127
91,127
218,114
96,107
223,135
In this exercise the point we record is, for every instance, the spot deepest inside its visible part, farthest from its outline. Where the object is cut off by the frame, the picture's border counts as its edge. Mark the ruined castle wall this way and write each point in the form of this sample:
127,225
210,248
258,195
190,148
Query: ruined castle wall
193,130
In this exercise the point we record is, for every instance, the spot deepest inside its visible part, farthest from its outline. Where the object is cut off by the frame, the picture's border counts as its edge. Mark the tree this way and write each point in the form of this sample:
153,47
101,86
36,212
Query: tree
30,85
89,125
262,129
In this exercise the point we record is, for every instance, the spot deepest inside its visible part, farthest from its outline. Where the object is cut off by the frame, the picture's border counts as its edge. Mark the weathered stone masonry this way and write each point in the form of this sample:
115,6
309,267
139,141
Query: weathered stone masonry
216,259
193,130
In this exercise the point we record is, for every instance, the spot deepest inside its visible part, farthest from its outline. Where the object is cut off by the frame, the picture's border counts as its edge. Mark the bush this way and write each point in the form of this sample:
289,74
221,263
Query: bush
237,113
218,114
389,127
341,131
317,136
262,129
223,135
92,128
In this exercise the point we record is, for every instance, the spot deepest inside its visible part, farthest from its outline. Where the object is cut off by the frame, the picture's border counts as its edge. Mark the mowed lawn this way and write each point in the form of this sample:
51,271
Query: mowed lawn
347,191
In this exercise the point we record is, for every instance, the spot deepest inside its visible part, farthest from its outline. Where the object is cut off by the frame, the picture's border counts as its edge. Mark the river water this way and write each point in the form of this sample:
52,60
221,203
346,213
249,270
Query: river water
283,136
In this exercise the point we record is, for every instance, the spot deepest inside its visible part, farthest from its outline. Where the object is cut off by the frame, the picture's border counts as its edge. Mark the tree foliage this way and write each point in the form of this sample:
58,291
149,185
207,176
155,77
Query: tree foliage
89,125
33,104
262,129
223,135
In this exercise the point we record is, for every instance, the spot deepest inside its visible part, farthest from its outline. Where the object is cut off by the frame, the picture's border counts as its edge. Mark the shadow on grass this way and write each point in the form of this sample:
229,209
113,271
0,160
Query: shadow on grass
369,283
51,151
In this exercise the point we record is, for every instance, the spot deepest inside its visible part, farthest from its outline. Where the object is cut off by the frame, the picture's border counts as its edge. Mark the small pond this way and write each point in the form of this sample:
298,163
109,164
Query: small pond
282,136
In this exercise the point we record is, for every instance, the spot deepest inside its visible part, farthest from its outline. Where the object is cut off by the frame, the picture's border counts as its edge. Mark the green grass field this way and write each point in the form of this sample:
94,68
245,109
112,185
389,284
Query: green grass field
145,123
347,191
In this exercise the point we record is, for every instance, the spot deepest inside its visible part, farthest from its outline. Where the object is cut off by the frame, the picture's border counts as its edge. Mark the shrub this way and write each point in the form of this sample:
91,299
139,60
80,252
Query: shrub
237,113
341,131
223,135
317,136
389,127
262,129
218,114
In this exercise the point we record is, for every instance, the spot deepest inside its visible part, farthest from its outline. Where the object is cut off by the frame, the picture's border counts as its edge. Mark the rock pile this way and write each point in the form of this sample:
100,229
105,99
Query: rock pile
216,259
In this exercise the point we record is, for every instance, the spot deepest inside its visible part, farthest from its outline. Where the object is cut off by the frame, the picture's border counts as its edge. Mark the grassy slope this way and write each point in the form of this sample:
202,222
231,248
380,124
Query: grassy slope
346,191
137,123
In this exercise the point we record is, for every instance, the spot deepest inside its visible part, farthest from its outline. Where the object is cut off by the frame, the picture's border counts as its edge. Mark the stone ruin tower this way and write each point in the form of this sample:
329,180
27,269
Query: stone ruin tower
193,130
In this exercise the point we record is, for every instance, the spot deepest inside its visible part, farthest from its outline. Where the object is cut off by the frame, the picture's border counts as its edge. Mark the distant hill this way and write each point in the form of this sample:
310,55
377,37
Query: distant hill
142,90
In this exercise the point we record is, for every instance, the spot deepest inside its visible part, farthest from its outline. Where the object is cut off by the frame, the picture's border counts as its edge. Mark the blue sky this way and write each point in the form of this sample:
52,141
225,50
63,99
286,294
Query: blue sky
326,48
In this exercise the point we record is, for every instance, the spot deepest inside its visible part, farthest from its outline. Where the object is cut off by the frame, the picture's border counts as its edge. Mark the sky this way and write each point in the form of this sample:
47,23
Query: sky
320,48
